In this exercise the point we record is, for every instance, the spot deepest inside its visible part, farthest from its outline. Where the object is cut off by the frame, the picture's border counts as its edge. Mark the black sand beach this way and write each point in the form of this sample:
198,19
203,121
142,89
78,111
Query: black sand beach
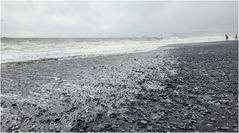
188,87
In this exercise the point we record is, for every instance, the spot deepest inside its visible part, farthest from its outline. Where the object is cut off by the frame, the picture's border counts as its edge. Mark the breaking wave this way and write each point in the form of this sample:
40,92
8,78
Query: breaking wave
20,49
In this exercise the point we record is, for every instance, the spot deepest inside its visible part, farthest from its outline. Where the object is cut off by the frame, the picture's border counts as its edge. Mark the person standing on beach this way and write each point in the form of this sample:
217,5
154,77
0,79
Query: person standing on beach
236,36
226,37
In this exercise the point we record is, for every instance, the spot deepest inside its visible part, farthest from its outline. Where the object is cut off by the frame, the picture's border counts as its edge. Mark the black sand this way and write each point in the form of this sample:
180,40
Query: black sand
193,87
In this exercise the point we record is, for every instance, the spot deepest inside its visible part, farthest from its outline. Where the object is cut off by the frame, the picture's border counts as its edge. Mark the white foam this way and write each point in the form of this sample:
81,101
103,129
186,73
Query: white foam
35,50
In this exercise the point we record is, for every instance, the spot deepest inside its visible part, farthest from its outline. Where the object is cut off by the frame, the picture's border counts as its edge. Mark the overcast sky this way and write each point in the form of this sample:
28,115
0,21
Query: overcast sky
115,19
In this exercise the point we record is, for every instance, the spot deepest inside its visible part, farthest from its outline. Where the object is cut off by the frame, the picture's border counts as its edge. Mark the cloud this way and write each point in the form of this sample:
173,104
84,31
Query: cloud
115,19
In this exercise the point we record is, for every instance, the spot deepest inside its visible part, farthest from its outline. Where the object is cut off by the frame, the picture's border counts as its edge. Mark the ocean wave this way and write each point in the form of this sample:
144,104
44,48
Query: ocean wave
21,50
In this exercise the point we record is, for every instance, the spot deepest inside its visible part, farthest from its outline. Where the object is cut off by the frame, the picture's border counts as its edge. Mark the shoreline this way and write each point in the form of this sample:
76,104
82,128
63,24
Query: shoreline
179,88
102,55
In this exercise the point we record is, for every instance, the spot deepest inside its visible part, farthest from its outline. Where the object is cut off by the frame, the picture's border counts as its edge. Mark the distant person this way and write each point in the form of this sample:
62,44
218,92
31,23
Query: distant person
226,37
236,36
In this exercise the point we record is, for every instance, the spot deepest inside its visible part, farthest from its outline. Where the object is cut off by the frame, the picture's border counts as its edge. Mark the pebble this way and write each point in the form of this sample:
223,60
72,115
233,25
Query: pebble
235,125
193,121
212,119
113,115
193,117
15,127
149,128
193,127
216,113
143,122
57,120
223,117
209,125
224,128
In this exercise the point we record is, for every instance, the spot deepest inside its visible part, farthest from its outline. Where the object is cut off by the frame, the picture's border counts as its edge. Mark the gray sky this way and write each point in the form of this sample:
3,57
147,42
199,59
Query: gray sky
116,19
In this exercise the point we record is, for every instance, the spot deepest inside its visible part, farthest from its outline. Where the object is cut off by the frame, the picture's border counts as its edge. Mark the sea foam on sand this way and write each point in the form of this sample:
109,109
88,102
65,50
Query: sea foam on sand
14,50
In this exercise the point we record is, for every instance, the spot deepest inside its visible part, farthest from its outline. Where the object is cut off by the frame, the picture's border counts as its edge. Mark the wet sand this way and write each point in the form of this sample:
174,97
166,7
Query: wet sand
189,87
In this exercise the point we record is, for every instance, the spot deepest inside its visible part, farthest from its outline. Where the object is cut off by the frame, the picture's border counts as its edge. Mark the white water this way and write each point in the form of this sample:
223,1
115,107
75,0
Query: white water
13,50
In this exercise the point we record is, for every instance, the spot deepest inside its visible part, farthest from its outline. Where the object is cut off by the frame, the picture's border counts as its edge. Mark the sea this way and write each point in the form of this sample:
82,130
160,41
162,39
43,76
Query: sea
28,49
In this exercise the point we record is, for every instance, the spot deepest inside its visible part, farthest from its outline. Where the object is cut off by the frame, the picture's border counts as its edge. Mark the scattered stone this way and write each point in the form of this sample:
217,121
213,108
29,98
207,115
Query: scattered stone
212,119
224,128
209,125
234,126
149,128
193,127
57,120
15,127
113,86
223,117
114,115
193,117
216,113
193,121
142,123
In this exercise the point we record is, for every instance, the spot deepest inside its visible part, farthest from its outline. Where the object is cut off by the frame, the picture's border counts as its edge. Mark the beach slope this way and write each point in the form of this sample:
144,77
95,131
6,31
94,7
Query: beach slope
188,87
